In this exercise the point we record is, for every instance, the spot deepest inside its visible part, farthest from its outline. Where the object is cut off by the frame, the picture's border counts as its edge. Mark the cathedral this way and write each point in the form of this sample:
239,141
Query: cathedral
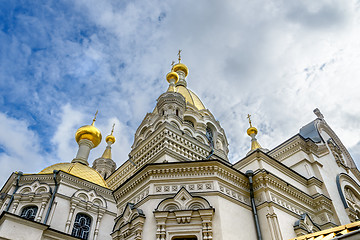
178,183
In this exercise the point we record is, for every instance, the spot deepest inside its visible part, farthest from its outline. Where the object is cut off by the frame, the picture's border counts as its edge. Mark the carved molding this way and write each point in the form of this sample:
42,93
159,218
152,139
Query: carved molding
130,224
186,209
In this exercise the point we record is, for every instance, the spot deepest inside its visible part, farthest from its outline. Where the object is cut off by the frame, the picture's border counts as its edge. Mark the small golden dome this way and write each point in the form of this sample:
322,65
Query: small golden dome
89,132
78,170
110,138
181,67
252,130
172,75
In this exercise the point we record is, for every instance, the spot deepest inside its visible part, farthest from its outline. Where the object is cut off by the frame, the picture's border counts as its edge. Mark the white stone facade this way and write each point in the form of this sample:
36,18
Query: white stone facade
179,184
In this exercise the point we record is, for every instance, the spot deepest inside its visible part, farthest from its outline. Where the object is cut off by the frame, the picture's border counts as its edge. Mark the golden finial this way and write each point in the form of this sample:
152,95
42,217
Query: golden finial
111,138
248,116
179,54
94,118
252,131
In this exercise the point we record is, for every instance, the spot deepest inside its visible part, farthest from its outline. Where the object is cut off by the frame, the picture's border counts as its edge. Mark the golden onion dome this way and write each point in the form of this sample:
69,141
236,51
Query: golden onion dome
110,138
172,75
252,130
89,132
181,67
79,170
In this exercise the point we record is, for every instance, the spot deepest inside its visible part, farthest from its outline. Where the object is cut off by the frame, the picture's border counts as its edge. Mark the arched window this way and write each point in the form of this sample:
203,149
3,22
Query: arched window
82,226
210,136
29,212
177,112
189,122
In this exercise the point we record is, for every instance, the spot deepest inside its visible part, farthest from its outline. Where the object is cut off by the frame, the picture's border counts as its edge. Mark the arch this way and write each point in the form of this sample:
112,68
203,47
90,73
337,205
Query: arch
148,133
139,141
83,197
98,202
25,190
322,126
40,190
29,212
196,206
343,180
90,196
82,226
143,130
158,125
183,200
186,209
129,215
35,187
175,124
171,207
200,139
191,120
188,131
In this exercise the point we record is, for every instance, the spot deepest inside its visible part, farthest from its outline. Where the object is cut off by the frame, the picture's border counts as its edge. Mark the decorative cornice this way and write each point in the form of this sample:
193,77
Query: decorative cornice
296,144
192,170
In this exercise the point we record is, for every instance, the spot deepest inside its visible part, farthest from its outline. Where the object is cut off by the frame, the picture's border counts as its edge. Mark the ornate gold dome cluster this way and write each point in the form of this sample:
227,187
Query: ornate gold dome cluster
80,169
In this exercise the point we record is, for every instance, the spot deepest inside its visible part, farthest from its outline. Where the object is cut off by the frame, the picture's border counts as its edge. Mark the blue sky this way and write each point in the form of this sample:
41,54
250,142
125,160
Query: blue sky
60,61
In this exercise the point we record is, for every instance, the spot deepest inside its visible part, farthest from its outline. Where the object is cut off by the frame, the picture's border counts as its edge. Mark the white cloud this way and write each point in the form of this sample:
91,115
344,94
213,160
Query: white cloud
21,150
63,139
277,60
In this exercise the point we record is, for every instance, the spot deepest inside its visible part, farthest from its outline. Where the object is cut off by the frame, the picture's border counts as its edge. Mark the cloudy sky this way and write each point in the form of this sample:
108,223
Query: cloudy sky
60,61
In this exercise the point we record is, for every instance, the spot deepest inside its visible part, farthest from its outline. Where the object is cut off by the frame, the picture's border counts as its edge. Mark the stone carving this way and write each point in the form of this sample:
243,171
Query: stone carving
181,208
305,225
130,224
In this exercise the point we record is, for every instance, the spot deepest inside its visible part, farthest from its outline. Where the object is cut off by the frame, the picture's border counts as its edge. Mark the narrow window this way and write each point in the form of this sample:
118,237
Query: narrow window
184,238
29,212
177,112
210,137
190,122
81,226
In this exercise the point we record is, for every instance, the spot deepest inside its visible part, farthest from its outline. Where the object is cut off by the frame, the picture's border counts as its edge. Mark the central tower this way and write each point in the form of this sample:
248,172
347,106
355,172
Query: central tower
179,129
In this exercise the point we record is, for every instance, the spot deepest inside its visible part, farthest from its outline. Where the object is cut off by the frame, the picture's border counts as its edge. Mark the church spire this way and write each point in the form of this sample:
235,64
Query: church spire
110,140
105,165
172,78
87,137
252,131
182,70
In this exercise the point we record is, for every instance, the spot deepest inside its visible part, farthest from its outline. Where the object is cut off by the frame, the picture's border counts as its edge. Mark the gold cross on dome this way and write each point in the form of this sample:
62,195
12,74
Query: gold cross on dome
172,64
179,54
248,116
95,118
112,130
